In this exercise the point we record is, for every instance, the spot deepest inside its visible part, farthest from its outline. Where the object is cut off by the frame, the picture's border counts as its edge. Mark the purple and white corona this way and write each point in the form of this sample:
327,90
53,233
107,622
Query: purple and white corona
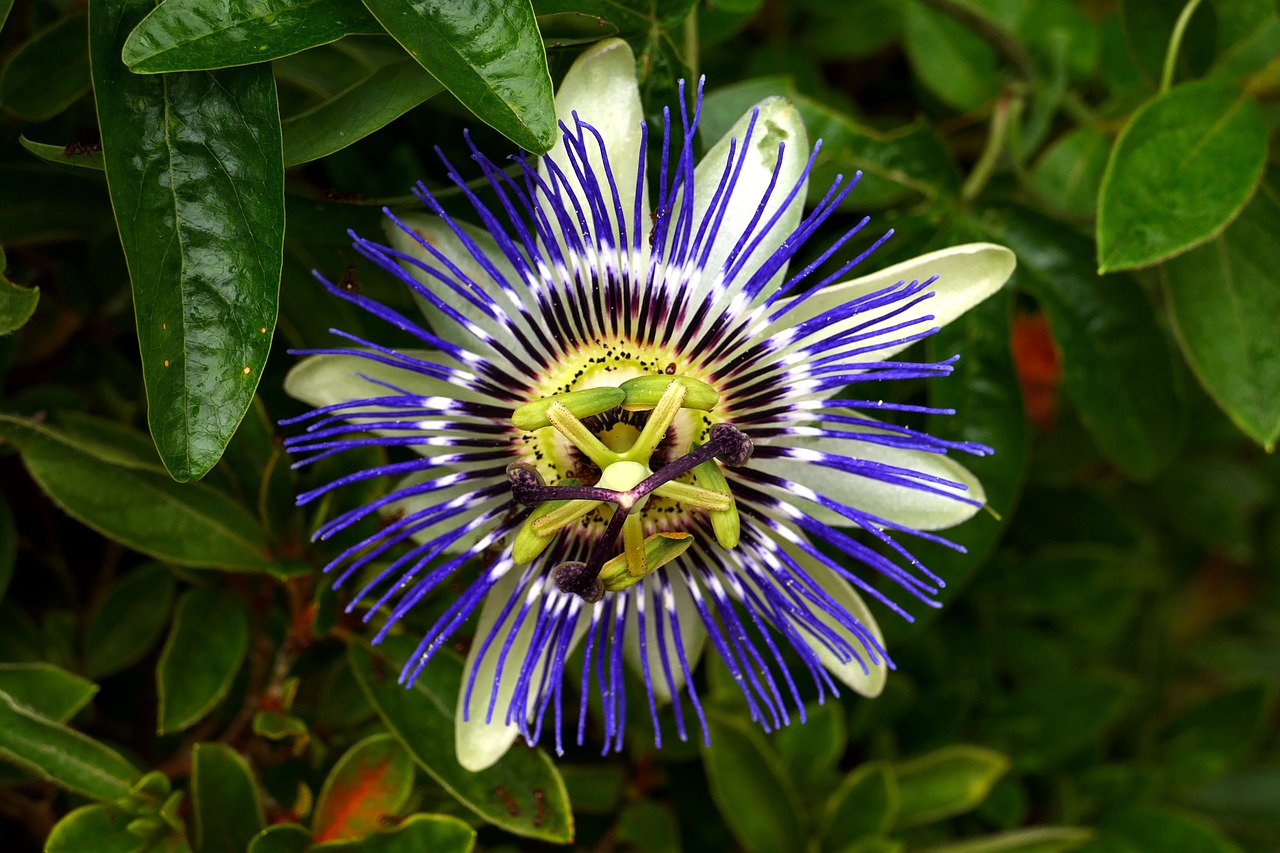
632,424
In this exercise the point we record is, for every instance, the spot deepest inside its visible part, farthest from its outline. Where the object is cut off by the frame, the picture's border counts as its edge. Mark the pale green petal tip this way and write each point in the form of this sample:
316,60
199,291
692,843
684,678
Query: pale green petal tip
481,745
607,66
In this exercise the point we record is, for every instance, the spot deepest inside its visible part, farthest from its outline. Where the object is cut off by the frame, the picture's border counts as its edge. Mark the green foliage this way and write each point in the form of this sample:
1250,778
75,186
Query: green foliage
1102,679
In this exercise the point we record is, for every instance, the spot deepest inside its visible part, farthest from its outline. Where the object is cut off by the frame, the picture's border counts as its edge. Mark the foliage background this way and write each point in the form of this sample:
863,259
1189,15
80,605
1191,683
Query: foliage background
174,675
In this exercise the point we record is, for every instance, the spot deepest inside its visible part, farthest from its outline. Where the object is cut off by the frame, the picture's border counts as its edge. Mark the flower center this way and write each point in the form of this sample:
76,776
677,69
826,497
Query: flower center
625,460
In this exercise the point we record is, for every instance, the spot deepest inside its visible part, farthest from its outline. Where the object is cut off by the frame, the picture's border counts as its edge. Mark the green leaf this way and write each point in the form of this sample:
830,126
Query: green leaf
420,833
946,782
488,53
756,799
951,60
810,752
33,207
369,785
195,170
1248,38
1148,24
533,804
1050,719
899,165
1115,360
277,725
128,620
17,304
1203,742
200,35
64,756
386,93
1156,828
46,690
228,811
49,72
281,838
1180,172
204,651
106,829
865,803
594,787
1040,839
1068,175
73,157
130,501
648,827
1224,299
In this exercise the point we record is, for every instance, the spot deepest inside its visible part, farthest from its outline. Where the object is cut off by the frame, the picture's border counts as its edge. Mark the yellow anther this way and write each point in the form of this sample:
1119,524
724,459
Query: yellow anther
643,392
580,404
659,549
724,522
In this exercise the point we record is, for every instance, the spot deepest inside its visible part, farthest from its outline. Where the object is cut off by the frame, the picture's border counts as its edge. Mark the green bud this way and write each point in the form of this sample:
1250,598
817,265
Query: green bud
582,404
643,392
659,549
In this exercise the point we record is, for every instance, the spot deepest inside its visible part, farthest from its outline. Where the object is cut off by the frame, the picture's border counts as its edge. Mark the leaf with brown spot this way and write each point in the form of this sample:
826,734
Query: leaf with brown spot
369,784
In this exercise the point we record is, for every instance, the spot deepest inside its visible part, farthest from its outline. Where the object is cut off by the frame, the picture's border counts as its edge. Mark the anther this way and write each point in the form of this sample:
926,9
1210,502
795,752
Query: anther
527,484
574,578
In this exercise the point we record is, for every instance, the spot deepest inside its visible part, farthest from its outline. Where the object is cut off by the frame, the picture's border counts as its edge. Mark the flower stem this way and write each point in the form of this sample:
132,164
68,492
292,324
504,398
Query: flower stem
1175,44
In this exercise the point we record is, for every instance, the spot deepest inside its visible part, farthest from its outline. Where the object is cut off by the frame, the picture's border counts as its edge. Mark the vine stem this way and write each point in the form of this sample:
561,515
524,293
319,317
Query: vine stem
985,167
1175,44
998,37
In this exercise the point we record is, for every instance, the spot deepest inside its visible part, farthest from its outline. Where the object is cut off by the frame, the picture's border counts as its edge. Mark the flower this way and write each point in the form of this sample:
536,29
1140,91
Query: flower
630,425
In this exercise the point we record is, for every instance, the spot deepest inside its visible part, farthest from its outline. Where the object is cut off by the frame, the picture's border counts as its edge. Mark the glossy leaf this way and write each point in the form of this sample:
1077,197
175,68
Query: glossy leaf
199,35
1224,299
1115,361
947,782
48,73
420,833
1040,839
533,802
17,304
194,166
1179,173
368,786
106,829
225,795
372,102
488,53
132,501
46,690
128,620
864,804
72,157
204,651
756,799
64,756
953,61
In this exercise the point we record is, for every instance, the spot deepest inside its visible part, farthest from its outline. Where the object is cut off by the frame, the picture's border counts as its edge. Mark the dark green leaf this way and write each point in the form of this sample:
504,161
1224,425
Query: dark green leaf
73,157
1224,299
281,838
385,94
1201,744
8,530
594,787
127,500
5,6
128,620
1180,172
1165,830
63,756
200,35
420,833
206,646
1069,174
810,752
535,804
46,690
949,58
756,799
1248,38
17,304
1040,839
228,811
865,803
277,725
947,782
1052,718
106,829
49,72
194,166
488,53
1148,24
367,787
1115,360
648,827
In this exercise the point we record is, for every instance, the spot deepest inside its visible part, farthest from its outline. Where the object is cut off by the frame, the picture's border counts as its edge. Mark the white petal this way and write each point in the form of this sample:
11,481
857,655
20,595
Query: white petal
414,504
899,504
324,380
777,123
851,672
966,274
692,634
480,744
601,87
